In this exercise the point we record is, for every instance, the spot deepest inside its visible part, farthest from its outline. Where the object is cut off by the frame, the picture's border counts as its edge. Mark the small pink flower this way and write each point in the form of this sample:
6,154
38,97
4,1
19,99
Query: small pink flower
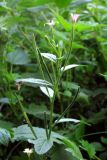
75,17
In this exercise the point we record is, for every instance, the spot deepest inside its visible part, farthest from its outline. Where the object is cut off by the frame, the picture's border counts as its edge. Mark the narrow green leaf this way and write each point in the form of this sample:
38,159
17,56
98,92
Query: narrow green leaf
68,120
69,67
89,148
39,82
73,148
49,56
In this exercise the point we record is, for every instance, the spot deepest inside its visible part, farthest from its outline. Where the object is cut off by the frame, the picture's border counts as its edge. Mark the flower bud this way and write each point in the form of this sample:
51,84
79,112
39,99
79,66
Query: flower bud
75,17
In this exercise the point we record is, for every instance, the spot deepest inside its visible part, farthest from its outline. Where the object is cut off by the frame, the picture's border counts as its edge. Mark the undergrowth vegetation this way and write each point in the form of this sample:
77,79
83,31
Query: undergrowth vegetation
53,79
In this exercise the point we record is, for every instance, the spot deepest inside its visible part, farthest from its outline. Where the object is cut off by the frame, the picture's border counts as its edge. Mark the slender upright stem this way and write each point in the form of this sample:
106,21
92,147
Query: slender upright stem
26,117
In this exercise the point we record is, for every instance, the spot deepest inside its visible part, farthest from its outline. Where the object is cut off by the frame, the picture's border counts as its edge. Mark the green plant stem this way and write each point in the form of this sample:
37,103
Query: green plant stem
29,158
91,134
51,115
46,125
66,110
97,158
51,99
26,117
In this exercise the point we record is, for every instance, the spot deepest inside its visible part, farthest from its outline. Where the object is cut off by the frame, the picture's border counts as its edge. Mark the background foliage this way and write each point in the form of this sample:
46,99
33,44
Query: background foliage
22,22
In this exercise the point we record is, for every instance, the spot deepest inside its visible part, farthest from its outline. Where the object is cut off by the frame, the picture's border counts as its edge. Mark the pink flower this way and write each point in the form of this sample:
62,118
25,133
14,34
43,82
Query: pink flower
75,17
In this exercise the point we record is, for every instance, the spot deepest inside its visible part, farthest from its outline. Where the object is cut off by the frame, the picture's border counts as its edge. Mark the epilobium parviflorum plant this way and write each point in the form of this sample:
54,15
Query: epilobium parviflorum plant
44,139
52,101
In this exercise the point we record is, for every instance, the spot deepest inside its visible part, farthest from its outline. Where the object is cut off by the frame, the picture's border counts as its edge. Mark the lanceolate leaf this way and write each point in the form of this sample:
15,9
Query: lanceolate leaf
67,26
89,148
49,56
69,67
72,147
32,81
47,91
68,120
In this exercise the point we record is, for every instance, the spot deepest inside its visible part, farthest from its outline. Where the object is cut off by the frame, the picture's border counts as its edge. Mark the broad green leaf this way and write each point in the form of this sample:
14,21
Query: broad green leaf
70,85
69,67
76,45
80,2
4,100
67,93
24,133
4,137
68,120
39,82
83,98
32,3
42,145
18,57
49,56
73,148
6,124
83,26
60,150
104,140
39,110
89,148
47,91
62,3
98,146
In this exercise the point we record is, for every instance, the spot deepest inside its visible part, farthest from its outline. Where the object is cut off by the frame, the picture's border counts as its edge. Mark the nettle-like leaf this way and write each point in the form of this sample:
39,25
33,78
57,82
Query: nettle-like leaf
18,57
33,81
89,148
47,91
69,67
42,145
4,137
39,110
67,120
49,56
